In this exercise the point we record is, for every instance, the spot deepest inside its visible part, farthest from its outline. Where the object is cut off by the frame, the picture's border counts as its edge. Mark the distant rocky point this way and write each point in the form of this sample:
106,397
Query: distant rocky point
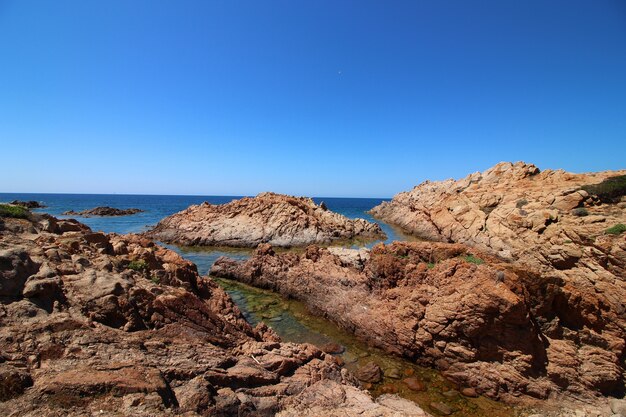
277,219
103,211
28,204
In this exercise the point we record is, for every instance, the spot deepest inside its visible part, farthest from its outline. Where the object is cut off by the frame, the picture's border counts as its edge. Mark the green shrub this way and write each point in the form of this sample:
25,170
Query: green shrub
430,265
610,190
139,265
616,230
7,210
580,212
155,279
473,259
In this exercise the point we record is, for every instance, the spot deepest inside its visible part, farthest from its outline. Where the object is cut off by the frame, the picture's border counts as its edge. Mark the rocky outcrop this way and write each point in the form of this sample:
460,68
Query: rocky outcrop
559,224
491,326
103,211
267,218
31,204
95,324
513,210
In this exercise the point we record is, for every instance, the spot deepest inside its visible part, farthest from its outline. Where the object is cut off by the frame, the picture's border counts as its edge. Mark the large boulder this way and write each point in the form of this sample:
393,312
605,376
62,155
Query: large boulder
277,219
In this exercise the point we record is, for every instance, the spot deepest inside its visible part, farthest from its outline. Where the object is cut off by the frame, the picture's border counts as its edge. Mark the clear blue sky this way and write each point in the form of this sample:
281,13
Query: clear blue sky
323,98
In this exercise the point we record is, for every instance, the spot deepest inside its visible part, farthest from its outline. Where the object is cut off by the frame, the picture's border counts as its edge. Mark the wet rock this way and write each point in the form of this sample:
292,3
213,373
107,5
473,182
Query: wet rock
369,372
277,219
393,373
414,384
469,392
332,348
442,408
389,389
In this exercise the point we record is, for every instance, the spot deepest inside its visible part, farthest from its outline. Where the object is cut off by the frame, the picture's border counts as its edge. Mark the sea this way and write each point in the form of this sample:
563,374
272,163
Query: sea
157,207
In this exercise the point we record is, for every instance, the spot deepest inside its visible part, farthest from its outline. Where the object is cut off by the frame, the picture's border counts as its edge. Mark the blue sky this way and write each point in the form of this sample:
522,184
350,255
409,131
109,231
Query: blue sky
322,98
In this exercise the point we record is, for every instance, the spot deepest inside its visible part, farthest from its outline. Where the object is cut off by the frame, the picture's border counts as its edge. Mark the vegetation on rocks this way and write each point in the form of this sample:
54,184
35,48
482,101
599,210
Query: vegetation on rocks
616,230
473,259
610,190
17,212
139,265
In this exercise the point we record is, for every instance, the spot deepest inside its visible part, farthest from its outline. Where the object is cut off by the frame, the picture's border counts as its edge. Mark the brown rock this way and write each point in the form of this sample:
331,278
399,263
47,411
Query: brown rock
442,408
414,384
267,218
370,372
81,331
332,348
469,392
487,323
103,211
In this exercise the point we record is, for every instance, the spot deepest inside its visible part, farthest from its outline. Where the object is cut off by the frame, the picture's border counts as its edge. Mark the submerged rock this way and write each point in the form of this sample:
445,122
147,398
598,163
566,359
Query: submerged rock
103,211
369,372
277,219
94,323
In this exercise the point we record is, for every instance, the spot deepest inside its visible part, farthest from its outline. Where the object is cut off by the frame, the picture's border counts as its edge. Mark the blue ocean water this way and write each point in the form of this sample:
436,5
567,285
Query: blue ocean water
156,207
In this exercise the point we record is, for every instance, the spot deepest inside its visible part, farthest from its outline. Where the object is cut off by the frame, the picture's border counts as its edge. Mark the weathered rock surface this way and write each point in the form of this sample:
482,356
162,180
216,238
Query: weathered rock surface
95,324
503,330
277,219
103,211
552,222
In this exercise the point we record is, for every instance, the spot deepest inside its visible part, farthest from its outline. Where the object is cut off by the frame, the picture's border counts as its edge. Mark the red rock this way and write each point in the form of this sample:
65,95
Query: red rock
414,384
469,392
369,372
277,219
81,331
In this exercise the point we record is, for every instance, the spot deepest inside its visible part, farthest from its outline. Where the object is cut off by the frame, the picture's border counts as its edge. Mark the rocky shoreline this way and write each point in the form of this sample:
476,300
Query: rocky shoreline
280,220
487,324
103,211
107,324
529,302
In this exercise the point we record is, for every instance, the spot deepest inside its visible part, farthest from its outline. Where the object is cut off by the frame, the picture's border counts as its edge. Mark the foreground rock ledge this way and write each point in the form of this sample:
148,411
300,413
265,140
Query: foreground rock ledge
277,219
489,325
95,324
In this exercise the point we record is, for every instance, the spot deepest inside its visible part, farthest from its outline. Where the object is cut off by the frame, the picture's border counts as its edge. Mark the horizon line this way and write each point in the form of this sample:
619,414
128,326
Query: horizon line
191,195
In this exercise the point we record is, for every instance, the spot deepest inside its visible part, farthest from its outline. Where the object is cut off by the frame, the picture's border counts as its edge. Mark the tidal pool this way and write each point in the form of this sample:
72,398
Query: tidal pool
294,323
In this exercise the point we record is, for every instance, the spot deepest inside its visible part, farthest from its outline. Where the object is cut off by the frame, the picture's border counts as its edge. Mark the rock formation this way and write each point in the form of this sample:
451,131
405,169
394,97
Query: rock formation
496,327
103,211
95,324
28,204
267,218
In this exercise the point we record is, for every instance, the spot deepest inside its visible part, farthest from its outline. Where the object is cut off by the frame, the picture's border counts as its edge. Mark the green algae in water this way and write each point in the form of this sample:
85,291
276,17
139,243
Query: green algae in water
294,323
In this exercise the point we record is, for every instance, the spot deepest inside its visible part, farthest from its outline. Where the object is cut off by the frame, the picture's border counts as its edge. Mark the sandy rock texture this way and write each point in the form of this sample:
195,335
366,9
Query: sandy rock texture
497,327
96,324
277,219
